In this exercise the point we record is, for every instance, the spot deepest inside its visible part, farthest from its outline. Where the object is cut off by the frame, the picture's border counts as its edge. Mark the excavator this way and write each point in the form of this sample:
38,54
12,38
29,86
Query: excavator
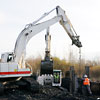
13,65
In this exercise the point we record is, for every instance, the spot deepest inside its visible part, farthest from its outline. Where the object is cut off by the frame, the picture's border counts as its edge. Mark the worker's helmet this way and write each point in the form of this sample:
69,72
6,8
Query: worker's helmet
85,76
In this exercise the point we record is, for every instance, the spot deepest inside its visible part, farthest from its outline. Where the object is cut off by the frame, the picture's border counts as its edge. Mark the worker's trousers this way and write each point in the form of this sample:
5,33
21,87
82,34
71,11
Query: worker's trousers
86,90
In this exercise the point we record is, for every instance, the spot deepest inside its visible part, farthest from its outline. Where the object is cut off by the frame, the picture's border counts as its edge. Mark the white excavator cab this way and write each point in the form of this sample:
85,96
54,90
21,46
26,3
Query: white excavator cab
7,57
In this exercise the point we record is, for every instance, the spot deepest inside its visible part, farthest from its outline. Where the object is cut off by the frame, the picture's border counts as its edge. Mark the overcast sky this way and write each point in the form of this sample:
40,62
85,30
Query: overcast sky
83,14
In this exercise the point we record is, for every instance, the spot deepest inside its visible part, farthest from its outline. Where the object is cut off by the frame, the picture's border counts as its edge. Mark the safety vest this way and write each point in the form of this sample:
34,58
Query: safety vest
56,76
86,81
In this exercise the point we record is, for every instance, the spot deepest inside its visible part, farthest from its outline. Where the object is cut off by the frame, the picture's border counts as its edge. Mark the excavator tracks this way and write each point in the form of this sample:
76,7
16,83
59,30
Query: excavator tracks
32,85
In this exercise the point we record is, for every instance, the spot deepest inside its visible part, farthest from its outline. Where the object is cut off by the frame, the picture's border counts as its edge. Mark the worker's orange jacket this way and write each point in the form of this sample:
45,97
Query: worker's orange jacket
86,81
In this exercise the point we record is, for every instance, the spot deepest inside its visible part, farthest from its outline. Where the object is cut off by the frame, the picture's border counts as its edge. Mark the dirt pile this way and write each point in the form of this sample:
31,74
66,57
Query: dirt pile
45,93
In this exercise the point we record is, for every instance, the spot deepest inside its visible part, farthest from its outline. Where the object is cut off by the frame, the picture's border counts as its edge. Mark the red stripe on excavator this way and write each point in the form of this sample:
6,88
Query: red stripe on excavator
20,72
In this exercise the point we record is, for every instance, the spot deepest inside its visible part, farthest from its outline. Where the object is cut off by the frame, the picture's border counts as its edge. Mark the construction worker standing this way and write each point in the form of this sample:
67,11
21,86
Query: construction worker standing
86,86
56,77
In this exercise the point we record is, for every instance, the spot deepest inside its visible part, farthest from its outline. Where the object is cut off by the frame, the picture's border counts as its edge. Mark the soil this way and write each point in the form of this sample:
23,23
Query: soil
44,93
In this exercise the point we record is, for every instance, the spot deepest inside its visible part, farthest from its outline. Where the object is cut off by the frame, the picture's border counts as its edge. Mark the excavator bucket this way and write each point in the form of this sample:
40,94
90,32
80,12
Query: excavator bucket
46,67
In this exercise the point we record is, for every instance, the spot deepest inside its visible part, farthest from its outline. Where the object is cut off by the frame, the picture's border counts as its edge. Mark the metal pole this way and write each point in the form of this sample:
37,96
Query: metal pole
87,71
72,81
79,62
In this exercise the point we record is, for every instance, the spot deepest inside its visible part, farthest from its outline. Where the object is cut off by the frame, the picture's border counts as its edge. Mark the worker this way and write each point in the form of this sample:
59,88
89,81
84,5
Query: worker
56,77
86,86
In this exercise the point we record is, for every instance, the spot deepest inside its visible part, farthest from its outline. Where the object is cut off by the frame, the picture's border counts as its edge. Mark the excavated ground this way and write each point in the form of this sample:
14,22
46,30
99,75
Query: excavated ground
45,93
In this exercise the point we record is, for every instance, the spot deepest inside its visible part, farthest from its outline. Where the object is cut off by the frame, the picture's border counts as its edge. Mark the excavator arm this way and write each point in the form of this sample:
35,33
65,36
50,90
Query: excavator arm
65,22
28,33
35,27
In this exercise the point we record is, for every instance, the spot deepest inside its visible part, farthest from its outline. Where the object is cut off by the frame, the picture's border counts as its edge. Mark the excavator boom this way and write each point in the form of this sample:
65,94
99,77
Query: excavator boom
35,27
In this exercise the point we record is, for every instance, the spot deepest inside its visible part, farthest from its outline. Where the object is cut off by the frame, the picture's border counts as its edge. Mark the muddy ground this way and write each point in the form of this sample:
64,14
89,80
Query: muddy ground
44,93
